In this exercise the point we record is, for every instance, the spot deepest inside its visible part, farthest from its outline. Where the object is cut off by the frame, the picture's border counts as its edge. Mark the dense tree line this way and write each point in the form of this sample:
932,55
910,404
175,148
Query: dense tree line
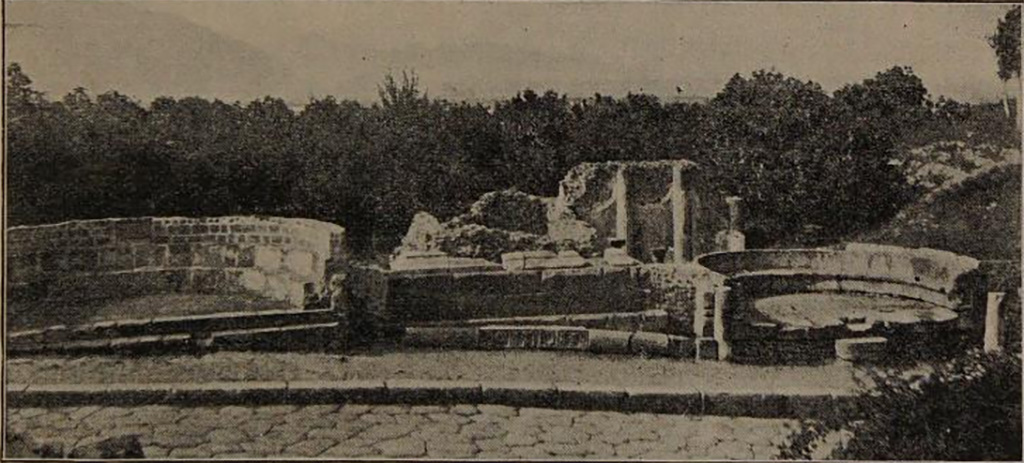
805,160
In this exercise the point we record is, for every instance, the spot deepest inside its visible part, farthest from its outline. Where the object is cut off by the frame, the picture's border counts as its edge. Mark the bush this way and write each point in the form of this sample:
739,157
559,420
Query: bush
966,409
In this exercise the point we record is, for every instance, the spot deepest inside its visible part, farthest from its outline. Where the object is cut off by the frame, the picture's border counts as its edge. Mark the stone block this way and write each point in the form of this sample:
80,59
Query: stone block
441,337
299,263
646,343
609,342
112,258
246,256
421,261
648,399
533,337
519,394
541,260
681,347
208,281
616,257
247,279
422,392
862,350
267,258
148,255
179,255
706,348
496,283
589,396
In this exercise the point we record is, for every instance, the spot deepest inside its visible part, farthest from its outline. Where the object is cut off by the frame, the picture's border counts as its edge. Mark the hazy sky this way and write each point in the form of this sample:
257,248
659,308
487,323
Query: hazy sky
480,51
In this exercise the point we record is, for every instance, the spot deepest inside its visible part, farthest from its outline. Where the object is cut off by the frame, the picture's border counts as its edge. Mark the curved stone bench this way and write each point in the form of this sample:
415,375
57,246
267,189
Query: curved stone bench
57,268
925,274
924,286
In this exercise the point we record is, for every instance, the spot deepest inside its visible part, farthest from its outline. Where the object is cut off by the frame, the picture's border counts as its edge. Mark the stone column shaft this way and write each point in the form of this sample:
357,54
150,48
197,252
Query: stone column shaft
678,216
992,321
621,207
721,330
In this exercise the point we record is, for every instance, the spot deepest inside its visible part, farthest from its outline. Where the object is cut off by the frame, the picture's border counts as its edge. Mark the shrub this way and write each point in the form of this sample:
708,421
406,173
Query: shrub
966,409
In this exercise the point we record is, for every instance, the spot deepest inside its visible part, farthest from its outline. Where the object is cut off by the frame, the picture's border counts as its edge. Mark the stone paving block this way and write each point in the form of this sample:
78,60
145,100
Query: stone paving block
406,447
194,452
515,439
228,436
350,449
308,448
154,451
450,448
386,431
478,431
83,412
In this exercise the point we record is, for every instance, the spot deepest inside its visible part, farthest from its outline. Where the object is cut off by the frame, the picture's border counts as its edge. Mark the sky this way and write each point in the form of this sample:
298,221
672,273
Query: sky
481,51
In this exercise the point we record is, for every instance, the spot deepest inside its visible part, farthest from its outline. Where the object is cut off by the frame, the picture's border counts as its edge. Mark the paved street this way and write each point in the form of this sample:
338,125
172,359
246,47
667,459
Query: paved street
460,431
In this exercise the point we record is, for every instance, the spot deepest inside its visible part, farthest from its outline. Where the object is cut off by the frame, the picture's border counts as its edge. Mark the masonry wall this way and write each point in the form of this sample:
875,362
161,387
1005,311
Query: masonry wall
590,192
416,297
419,297
275,258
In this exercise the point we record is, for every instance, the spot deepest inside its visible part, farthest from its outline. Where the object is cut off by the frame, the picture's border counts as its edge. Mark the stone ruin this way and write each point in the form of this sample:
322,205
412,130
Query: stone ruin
609,265
627,212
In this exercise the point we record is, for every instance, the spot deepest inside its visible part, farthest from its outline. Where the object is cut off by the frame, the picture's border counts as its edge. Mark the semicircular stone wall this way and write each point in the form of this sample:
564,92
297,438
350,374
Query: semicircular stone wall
926,274
269,257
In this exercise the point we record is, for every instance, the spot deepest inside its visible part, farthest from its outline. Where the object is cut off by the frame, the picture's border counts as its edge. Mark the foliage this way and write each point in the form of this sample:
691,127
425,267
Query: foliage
1006,43
967,409
796,153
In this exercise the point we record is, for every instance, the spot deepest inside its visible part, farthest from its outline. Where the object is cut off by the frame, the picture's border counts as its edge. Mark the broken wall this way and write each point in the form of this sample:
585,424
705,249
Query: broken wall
269,257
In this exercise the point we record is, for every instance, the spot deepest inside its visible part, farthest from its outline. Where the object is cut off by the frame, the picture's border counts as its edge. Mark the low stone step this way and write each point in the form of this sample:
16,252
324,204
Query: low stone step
862,350
136,328
648,320
533,337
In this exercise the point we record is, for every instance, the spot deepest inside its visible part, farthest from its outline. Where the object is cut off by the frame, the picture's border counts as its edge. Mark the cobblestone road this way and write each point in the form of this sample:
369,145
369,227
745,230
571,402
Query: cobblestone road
459,431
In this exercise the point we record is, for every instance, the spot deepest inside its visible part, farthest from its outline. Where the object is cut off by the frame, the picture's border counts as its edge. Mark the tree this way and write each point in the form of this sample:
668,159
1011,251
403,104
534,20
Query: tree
21,97
1006,44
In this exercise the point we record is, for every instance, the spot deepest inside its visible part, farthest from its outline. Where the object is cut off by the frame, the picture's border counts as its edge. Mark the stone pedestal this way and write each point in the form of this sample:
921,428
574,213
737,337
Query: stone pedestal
720,322
992,321
703,311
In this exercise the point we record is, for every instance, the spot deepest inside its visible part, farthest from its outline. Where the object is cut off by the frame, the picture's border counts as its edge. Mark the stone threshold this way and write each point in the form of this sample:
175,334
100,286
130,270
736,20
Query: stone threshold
632,399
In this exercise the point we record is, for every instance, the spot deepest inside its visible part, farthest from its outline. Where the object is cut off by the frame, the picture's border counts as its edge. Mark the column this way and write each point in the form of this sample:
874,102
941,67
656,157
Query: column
721,308
992,321
735,240
621,208
678,216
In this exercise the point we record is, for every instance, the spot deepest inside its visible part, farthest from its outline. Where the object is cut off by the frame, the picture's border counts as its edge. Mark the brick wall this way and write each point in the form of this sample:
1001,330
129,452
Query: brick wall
93,259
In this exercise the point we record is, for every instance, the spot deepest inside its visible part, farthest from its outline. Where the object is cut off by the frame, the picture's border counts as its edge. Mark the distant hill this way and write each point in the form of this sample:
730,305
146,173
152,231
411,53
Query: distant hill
978,216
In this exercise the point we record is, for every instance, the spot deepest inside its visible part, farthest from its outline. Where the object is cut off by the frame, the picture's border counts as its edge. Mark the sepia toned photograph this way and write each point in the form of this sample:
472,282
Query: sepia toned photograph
508,230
